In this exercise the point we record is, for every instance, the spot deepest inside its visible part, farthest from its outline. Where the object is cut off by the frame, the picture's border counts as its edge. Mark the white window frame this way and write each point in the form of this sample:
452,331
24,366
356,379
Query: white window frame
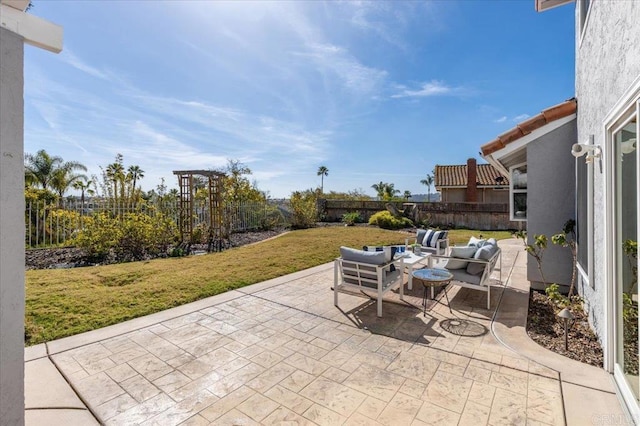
512,191
583,16
619,114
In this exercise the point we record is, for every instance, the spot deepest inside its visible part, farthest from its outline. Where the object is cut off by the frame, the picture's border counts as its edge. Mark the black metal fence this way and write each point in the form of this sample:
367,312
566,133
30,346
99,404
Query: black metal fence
49,225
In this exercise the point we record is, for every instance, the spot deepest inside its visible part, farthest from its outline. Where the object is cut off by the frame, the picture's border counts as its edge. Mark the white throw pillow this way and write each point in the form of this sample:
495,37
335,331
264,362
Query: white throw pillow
462,252
473,241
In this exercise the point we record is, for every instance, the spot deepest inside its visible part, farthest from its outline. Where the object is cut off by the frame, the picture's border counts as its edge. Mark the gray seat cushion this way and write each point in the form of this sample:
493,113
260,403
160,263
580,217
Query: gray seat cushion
361,256
354,255
462,275
485,252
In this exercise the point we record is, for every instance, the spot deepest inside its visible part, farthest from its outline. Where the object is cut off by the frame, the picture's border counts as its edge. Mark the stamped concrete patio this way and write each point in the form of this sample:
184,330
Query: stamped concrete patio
281,352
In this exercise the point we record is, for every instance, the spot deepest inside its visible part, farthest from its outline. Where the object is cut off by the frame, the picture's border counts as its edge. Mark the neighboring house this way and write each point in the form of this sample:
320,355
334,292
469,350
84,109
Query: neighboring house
536,155
602,175
471,183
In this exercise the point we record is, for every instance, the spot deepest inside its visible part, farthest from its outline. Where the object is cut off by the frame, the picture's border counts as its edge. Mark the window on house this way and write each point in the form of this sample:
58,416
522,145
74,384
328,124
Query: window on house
518,192
622,178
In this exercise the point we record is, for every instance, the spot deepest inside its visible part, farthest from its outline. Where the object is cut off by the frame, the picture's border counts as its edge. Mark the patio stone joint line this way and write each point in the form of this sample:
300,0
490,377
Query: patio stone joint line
66,379
502,342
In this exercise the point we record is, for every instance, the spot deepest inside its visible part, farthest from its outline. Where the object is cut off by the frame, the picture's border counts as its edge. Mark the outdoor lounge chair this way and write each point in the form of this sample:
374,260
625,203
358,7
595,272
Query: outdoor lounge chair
432,241
367,272
472,265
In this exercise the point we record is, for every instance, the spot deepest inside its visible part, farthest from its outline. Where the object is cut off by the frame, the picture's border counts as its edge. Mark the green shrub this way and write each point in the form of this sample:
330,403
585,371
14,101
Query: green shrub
273,218
98,235
61,225
351,218
386,220
132,236
304,209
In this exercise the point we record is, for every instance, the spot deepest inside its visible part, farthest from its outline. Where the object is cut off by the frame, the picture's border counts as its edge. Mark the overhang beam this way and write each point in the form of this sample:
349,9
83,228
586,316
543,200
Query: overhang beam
35,31
542,5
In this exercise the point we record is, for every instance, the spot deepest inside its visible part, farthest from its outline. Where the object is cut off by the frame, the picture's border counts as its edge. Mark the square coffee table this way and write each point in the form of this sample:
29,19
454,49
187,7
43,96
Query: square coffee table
414,261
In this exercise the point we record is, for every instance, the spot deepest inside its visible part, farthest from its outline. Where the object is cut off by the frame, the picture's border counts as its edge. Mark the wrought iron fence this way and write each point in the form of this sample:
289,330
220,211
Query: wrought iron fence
49,225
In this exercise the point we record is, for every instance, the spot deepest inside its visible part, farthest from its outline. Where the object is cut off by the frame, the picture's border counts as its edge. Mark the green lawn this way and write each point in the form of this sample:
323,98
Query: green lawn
64,302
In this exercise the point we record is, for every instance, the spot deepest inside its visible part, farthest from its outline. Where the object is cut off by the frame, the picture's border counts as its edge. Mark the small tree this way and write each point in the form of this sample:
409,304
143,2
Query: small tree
567,238
304,208
535,250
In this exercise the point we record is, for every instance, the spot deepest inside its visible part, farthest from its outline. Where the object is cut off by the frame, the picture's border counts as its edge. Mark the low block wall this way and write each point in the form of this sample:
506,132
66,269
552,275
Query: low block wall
483,217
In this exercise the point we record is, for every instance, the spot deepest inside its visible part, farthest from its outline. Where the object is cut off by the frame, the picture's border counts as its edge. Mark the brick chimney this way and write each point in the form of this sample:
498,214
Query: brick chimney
472,181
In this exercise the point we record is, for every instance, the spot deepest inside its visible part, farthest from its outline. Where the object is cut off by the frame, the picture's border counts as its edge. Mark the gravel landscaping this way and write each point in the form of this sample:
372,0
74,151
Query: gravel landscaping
71,257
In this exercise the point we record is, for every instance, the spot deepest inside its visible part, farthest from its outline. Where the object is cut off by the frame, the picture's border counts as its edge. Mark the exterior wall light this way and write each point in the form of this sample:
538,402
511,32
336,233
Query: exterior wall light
592,151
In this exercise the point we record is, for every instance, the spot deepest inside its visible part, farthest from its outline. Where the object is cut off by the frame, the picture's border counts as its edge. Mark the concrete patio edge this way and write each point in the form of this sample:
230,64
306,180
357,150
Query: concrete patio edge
93,336
589,393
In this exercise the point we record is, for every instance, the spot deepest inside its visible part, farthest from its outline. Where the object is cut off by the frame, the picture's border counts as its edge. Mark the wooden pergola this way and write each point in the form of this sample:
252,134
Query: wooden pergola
217,234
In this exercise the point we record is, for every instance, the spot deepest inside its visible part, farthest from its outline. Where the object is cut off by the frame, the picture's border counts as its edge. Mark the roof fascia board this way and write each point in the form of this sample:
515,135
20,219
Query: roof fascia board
20,5
478,186
523,141
35,31
542,5
495,163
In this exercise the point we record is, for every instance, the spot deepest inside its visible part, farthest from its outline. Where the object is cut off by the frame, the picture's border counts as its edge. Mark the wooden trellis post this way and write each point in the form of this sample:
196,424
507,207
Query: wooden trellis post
217,235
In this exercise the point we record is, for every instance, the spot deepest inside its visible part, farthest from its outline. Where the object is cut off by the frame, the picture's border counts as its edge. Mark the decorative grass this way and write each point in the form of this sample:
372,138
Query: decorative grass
65,302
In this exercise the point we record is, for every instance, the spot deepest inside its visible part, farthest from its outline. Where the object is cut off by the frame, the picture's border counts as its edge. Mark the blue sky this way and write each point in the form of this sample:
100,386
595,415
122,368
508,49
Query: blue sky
373,91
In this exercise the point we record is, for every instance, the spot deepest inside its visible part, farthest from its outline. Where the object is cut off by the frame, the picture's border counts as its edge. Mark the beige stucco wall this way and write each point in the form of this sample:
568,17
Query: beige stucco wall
485,195
11,229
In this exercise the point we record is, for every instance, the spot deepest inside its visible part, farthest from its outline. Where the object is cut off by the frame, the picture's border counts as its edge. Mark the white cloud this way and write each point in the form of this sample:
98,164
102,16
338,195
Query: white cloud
356,77
71,59
161,134
381,19
521,117
501,119
432,88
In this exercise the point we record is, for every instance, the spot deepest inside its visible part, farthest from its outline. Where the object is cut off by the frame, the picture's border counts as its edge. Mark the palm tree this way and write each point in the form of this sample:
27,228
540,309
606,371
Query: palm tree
390,191
134,173
380,189
407,195
428,181
322,172
115,175
83,187
41,169
63,178
386,191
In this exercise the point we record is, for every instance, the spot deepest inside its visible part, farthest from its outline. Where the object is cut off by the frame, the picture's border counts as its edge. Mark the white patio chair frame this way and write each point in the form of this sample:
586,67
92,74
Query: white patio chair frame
440,249
362,275
485,279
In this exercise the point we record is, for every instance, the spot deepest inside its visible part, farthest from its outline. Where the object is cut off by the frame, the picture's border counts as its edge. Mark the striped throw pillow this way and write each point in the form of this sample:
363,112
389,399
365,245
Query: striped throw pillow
432,237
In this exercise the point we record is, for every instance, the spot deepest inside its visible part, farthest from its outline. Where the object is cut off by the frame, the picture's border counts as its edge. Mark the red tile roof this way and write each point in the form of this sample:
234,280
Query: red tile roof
451,176
554,113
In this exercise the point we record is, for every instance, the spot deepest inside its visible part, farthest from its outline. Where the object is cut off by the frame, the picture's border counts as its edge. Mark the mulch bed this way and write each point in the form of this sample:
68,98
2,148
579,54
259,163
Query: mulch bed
548,331
71,257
